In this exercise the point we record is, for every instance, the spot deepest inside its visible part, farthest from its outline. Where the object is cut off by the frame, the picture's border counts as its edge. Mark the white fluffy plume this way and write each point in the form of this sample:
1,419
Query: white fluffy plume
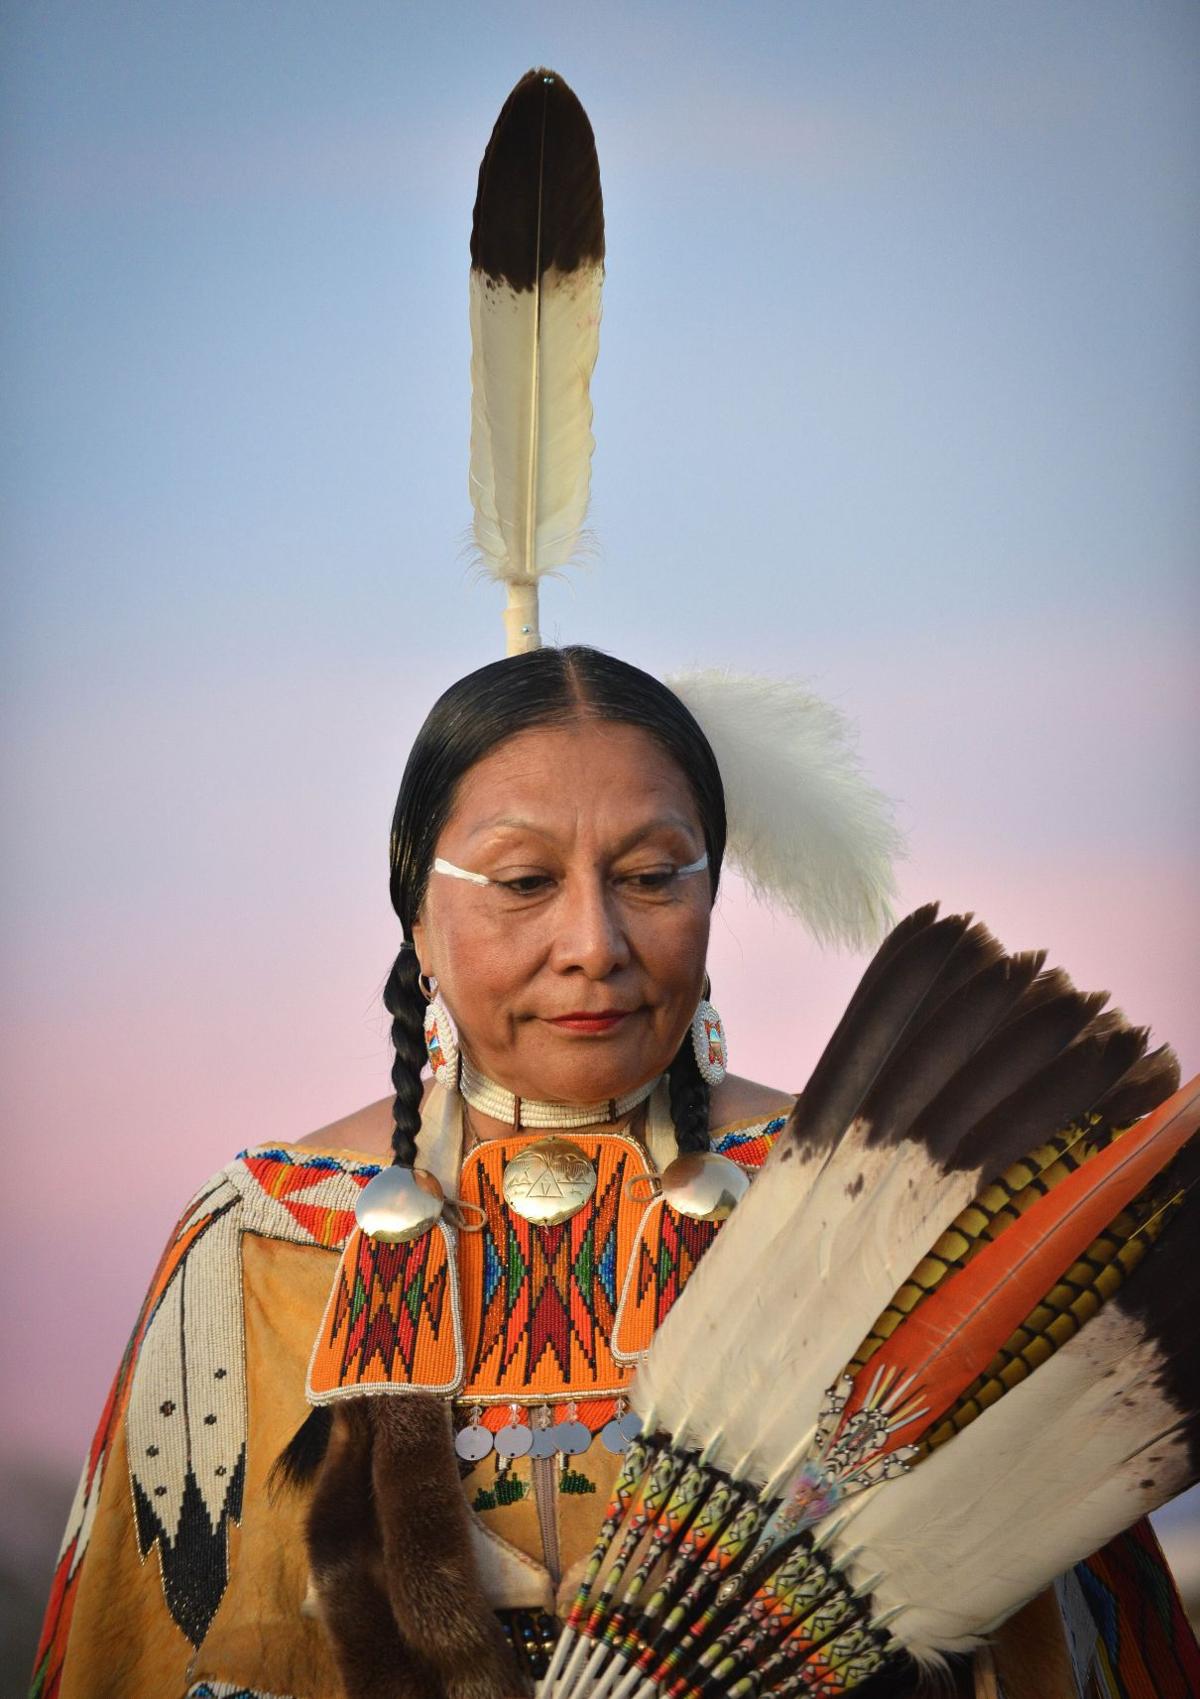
807,829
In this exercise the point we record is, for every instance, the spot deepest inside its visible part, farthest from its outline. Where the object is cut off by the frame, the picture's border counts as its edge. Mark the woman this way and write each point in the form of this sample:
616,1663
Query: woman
584,805
556,850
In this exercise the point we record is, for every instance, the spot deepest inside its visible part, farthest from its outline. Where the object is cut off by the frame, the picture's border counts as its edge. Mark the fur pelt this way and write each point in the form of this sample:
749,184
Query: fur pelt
390,1553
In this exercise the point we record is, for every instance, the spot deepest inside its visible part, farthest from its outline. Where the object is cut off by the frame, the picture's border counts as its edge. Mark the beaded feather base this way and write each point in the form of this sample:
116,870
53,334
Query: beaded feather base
690,1593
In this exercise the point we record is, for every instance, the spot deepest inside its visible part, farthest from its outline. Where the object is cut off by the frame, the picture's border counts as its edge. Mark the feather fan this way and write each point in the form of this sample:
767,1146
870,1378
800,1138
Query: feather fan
942,1350
537,264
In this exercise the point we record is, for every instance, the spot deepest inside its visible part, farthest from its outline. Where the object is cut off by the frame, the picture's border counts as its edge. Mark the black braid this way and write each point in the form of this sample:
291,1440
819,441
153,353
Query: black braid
689,1099
403,1000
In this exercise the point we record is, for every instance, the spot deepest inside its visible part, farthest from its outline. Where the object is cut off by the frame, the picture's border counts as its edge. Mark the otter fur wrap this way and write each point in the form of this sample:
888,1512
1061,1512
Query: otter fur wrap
390,1554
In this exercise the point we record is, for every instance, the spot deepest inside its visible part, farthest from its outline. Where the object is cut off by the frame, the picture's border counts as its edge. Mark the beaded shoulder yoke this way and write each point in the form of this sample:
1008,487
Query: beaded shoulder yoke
513,1312
180,1390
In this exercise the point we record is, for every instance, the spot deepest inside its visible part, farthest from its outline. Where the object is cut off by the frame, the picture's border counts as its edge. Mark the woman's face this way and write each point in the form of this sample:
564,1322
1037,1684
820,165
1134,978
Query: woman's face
575,975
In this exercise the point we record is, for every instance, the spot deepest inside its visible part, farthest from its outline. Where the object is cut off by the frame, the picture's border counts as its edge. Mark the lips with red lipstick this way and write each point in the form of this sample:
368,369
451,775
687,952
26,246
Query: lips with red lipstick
595,1021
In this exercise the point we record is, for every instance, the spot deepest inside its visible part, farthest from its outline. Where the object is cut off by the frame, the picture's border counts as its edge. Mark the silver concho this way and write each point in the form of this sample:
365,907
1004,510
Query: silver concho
548,1182
399,1204
704,1185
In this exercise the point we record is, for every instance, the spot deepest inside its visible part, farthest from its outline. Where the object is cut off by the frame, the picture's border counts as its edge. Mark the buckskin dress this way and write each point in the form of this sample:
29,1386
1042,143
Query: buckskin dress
181,1575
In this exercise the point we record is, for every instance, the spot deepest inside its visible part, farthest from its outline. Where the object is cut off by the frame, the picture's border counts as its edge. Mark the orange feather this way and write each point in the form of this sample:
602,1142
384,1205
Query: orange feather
955,1333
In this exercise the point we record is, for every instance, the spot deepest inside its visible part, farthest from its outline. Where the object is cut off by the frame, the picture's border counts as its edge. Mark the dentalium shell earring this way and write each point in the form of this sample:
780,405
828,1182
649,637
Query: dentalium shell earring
441,1045
708,1042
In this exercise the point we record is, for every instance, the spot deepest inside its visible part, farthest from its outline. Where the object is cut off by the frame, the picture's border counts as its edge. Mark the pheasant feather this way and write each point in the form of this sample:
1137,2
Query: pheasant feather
1106,1430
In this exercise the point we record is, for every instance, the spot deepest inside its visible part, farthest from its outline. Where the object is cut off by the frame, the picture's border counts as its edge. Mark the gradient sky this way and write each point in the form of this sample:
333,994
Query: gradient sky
898,392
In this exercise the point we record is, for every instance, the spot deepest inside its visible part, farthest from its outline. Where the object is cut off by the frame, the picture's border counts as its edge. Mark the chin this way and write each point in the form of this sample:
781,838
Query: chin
591,1079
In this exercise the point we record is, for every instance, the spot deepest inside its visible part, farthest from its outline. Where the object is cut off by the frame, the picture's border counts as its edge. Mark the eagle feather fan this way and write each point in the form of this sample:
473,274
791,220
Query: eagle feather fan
960,1145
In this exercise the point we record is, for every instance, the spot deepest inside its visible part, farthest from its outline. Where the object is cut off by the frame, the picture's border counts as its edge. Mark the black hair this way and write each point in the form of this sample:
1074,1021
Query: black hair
479,712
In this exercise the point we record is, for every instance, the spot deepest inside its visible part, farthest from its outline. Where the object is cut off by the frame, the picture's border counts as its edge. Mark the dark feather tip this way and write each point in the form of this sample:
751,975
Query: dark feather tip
918,921
1148,1083
538,203
1163,1294
304,1453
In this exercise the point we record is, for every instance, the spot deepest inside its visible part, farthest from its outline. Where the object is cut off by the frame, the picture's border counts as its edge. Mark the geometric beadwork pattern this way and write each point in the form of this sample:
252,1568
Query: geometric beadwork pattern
228,1690
1146,1648
291,1195
185,1424
505,1312
669,1246
750,1146
280,1194
392,1321
214,1204
539,1302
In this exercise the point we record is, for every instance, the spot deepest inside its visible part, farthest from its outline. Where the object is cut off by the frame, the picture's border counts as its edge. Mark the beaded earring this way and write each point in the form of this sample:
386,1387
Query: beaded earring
708,1042
441,1044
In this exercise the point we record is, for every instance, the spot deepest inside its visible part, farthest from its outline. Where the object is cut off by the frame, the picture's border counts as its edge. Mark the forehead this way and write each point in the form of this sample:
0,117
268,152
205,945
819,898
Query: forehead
609,776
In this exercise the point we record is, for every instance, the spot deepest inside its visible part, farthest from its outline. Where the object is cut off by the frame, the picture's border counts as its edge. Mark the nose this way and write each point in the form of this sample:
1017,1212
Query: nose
591,936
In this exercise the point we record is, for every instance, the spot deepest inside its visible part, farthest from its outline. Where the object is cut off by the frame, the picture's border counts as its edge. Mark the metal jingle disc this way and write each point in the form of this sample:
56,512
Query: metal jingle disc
704,1185
613,1436
631,1425
473,1444
514,1440
571,1437
399,1204
548,1182
544,1443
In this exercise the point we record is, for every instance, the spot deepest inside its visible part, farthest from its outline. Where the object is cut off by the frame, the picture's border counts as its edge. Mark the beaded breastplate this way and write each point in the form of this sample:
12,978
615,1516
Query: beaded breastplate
513,1313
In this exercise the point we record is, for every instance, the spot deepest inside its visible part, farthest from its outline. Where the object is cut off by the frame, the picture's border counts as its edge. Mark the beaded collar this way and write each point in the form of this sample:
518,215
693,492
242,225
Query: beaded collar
524,1112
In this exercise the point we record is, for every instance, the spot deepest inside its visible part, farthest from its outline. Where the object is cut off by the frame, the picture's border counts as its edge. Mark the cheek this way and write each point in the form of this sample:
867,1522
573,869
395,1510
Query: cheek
482,969
675,955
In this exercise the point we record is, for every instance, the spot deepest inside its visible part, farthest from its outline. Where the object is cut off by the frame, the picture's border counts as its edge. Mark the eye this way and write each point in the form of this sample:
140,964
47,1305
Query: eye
651,879
526,884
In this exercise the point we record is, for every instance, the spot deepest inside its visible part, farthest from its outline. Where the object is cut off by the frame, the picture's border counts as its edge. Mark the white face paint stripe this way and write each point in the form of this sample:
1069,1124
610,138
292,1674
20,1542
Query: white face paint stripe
441,866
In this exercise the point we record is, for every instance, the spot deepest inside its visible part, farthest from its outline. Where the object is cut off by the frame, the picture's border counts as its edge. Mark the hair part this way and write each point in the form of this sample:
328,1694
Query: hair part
478,713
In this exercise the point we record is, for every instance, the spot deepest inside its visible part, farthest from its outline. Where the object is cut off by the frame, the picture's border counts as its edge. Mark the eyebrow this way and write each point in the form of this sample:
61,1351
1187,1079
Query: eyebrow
667,822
